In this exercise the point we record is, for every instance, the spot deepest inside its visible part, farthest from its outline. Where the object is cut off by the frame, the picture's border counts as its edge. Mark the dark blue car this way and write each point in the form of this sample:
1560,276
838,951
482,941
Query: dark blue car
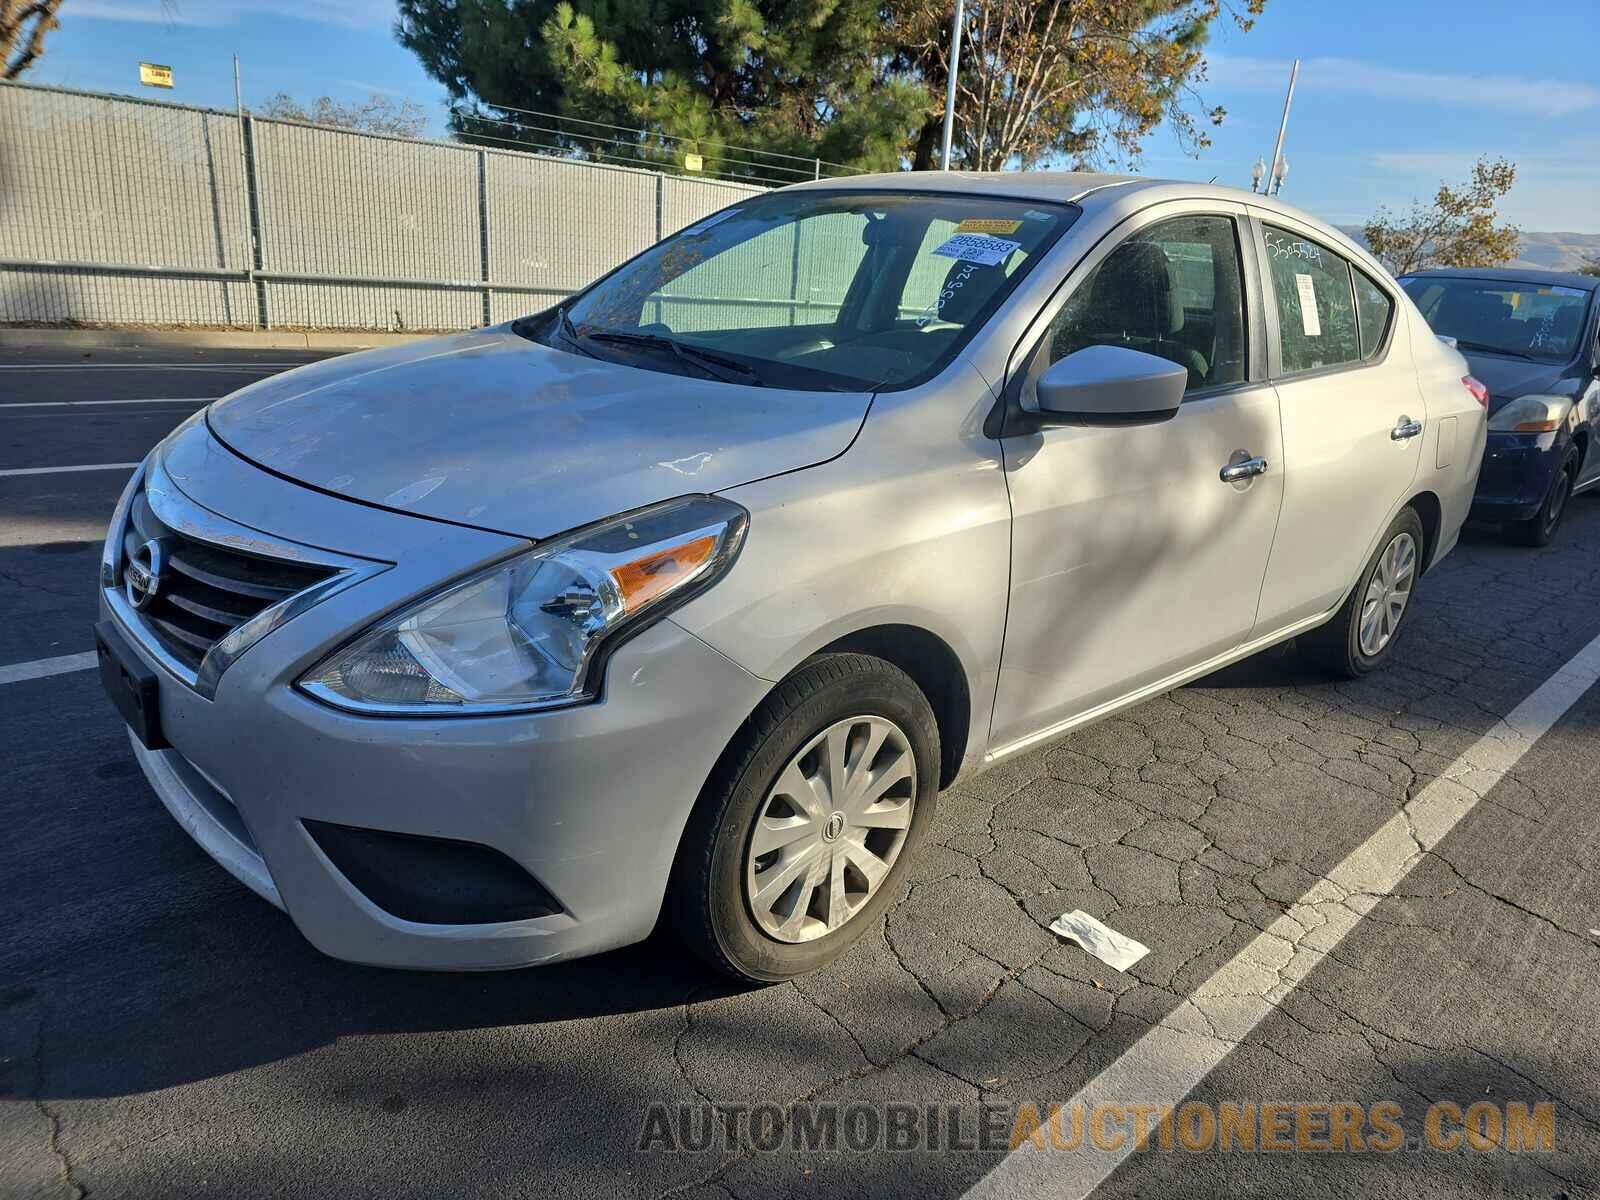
1531,338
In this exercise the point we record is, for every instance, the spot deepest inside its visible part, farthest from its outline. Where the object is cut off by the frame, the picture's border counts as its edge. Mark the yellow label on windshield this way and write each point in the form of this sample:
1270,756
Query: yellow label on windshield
987,225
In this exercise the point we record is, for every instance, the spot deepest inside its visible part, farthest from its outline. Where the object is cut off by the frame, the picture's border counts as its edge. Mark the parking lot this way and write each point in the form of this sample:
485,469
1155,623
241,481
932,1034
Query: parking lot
162,1030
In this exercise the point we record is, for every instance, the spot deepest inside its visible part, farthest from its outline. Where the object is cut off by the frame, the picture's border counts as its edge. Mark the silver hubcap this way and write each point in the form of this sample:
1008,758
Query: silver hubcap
830,828
1388,593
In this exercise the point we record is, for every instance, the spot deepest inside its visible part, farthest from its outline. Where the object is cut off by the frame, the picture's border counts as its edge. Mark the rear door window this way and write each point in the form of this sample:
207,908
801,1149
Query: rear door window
1315,302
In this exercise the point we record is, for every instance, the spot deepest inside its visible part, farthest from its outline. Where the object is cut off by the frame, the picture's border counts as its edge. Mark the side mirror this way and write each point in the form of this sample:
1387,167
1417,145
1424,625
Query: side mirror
1110,385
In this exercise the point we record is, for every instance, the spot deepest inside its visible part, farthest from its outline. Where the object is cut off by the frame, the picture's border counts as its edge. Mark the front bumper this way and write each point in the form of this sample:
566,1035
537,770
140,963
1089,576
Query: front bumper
589,801
1518,469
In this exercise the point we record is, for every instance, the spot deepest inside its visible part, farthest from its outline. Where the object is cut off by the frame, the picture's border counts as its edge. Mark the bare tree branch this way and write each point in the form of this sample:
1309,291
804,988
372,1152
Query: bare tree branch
23,26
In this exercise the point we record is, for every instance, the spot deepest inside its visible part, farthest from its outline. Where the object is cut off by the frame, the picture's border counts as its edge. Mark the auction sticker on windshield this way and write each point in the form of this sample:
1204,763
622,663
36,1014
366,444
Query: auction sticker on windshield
988,225
980,248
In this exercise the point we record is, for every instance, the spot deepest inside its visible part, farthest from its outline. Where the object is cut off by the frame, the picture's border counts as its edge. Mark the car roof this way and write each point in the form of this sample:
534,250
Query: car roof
1085,188
1571,279
1088,190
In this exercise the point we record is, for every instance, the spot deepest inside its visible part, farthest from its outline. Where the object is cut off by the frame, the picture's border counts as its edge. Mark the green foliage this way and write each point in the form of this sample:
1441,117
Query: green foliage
1042,81
1457,230
856,82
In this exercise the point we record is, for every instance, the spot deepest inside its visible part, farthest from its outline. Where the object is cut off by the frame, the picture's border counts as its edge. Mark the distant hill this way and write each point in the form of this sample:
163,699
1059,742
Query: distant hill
1546,251
1557,251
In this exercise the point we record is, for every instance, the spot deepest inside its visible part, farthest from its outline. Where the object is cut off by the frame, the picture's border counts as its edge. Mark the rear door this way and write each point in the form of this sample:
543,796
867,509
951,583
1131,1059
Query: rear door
1132,559
1352,418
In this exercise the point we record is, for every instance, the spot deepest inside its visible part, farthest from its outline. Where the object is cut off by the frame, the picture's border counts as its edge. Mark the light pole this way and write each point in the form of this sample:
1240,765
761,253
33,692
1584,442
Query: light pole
1257,173
1279,173
1276,176
950,86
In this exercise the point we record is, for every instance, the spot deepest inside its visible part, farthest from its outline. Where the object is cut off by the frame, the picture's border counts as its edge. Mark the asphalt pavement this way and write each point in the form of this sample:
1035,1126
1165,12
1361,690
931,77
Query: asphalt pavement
164,1032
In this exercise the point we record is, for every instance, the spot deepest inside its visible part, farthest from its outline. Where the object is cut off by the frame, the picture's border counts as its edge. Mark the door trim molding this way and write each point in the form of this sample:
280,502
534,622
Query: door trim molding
1151,690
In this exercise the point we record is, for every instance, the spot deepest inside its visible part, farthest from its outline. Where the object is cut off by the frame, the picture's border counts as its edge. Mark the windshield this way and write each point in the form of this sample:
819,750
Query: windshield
1522,320
845,291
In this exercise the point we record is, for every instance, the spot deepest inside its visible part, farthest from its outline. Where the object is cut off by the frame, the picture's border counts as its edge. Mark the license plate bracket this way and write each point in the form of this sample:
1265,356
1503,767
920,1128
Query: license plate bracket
133,687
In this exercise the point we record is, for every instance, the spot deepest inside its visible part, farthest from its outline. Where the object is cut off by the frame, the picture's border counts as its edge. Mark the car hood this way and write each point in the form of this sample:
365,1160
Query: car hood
492,430
1508,378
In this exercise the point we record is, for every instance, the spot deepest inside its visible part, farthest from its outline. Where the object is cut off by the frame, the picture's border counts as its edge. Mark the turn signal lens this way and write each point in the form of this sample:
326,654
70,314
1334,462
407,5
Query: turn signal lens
642,580
1479,392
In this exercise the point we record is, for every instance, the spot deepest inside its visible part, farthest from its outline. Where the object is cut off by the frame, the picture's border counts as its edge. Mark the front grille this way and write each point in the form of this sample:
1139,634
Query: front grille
206,589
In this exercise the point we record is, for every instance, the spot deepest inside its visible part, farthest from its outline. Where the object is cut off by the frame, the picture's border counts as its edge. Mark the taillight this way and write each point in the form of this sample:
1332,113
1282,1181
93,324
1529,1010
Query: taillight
1479,392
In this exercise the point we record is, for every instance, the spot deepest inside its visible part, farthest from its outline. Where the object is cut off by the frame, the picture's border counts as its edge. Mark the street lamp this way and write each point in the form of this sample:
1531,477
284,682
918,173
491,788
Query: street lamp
1279,172
1256,174
950,86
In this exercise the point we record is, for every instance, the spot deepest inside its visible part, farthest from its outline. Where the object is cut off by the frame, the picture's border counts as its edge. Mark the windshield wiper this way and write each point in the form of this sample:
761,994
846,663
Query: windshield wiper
708,362
569,331
1485,348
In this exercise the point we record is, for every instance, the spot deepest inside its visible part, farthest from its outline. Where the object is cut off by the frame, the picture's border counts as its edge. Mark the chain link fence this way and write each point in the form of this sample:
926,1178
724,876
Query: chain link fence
121,211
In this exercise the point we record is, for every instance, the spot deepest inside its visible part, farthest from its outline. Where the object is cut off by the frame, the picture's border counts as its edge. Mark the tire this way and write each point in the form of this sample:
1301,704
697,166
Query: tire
717,872
1337,646
1539,529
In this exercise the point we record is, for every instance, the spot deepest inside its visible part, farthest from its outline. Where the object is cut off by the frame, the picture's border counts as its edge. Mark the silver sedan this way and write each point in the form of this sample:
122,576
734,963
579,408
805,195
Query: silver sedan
684,599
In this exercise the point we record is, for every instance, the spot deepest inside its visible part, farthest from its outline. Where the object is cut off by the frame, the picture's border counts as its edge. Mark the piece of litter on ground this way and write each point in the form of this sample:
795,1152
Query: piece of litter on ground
1110,947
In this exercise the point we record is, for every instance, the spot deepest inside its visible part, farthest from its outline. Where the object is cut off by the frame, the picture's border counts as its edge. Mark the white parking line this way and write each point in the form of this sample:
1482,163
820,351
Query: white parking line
65,470
43,668
75,403
1170,1061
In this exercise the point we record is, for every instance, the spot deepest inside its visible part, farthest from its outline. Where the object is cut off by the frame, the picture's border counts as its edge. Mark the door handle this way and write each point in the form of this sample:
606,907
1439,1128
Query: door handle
1407,428
1243,469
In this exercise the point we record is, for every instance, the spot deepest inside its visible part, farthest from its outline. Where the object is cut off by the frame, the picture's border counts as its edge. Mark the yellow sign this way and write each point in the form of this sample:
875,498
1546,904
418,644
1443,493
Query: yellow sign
693,162
987,225
155,75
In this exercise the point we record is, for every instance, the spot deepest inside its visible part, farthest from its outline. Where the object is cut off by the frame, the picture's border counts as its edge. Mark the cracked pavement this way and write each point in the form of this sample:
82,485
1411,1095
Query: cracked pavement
164,1032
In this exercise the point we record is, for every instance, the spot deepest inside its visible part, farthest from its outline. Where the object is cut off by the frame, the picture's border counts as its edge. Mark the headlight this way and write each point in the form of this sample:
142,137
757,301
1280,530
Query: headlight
1532,414
529,632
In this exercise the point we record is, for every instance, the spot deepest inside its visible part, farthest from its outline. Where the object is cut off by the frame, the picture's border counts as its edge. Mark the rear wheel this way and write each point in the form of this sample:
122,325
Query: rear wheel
804,831
1363,632
1538,529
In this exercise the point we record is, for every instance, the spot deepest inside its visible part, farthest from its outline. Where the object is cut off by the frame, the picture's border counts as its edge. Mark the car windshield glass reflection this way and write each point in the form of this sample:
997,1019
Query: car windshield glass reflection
824,290
1521,320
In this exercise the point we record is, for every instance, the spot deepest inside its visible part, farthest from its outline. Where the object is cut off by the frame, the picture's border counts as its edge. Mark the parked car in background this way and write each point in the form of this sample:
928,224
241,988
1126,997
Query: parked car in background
1532,338
688,595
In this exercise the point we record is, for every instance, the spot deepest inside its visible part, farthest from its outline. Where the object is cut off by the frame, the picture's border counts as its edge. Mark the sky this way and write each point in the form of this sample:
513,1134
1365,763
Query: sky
1394,96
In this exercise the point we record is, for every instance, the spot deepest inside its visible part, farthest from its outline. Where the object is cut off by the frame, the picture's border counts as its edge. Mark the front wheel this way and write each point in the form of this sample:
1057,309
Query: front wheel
805,828
1538,529
1362,633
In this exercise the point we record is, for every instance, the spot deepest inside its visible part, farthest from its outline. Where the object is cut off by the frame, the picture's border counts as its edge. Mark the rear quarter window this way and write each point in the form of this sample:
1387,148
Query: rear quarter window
1374,312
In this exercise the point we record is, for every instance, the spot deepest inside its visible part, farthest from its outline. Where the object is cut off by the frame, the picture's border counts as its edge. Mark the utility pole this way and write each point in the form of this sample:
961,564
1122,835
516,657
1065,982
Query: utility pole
950,86
1276,174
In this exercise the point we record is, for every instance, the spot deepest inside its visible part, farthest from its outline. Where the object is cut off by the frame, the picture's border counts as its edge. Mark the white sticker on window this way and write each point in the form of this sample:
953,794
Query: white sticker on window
980,248
1309,320
1566,291
714,219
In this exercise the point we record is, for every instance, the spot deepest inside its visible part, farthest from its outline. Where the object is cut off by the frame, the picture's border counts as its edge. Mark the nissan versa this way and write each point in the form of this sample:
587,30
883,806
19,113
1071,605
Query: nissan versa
684,599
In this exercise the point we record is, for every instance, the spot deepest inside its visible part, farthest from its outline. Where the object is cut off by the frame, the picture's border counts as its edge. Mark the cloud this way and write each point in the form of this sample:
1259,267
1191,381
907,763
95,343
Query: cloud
1575,164
1523,94
354,14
